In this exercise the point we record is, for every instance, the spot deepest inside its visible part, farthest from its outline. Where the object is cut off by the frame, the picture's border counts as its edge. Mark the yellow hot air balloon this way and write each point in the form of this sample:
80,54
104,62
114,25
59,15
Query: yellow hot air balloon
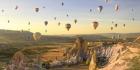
68,26
36,36
95,24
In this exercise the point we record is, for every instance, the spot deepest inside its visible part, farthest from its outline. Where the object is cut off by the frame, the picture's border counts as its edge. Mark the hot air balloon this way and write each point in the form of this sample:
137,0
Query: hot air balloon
111,28
112,22
100,8
2,10
29,23
37,9
54,18
8,21
133,19
107,1
67,15
116,25
90,10
16,7
68,26
75,21
62,3
59,23
123,25
36,36
117,7
43,7
46,23
95,24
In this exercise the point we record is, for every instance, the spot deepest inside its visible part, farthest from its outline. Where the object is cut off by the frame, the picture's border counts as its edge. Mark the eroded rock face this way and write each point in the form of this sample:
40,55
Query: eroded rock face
106,57
18,62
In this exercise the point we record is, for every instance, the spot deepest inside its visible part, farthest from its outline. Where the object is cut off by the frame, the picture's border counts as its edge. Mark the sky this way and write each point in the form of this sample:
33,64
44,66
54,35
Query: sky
76,9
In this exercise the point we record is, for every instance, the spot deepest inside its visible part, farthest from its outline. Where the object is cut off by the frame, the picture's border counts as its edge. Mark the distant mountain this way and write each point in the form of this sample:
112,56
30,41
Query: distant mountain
25,36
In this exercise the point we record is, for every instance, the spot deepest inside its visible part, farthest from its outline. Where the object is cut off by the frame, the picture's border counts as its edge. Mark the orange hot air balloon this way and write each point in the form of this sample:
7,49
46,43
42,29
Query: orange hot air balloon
68,26
36,9
95,24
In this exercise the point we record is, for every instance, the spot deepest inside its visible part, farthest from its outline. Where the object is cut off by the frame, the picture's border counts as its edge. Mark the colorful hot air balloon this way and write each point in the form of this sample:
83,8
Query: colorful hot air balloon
46,23
36,36
95,24
75,21
68,26
100,8
36,9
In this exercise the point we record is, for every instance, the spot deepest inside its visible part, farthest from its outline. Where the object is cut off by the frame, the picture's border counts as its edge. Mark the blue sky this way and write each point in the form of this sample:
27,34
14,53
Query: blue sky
77,9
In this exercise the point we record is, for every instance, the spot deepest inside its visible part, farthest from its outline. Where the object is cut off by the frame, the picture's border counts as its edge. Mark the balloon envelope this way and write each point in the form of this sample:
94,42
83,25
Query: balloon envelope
36,36
68,26
37,9
100,8
46,23
95,25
